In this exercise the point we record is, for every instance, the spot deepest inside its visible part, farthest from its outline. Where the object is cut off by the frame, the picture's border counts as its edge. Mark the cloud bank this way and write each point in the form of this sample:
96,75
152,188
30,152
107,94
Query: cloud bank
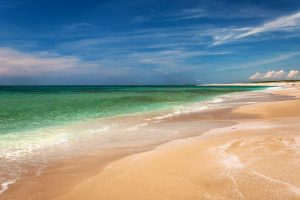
293,74
275,75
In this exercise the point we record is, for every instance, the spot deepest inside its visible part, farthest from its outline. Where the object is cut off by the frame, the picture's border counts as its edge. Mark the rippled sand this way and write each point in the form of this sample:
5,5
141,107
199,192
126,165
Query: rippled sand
253,152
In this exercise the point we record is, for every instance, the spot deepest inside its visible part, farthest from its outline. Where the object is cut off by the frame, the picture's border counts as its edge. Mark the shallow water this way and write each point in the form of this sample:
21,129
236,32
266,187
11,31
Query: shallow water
28,107
35,120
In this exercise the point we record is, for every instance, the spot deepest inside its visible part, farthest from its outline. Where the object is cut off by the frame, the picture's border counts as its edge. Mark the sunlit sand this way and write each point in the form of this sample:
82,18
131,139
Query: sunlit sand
233,152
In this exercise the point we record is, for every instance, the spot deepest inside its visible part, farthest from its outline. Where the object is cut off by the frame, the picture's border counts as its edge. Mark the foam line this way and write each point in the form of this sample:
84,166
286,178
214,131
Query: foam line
5,185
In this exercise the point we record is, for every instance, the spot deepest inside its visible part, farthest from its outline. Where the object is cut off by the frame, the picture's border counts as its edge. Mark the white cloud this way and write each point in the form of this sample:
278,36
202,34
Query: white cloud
274,75
293,74
284,23
256,76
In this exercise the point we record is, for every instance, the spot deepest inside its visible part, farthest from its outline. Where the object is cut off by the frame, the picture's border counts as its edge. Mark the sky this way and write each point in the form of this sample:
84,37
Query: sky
149,42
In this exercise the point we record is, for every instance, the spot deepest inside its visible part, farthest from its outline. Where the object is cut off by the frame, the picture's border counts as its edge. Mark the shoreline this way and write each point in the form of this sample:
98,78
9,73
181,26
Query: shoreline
254,155
90,128
227,119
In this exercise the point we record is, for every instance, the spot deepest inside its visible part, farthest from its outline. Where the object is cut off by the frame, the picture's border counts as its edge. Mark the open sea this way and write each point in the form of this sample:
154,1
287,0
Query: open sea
26,111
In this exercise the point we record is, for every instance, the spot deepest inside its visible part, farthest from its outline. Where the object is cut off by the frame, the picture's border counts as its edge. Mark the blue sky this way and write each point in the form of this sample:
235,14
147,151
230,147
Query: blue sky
148,41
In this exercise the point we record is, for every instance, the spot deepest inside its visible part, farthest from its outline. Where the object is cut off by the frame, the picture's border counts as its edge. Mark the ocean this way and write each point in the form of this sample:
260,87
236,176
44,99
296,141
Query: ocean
30,115
25,108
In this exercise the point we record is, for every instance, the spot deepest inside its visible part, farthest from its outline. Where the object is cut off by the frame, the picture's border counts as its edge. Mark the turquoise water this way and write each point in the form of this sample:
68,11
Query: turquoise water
32,118
30,107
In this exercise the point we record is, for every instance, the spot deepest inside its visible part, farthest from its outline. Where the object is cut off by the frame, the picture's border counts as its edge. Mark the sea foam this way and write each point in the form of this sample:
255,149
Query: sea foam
5,185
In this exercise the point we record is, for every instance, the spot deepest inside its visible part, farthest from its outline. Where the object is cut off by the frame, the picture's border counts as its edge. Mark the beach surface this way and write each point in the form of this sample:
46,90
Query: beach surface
248,148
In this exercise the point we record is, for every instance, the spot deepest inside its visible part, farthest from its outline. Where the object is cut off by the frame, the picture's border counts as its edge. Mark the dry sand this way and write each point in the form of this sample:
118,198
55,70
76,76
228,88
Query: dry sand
256,157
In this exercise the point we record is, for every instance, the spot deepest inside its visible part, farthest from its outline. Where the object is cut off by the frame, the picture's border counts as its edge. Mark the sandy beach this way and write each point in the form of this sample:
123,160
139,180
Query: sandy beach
150,100
245,149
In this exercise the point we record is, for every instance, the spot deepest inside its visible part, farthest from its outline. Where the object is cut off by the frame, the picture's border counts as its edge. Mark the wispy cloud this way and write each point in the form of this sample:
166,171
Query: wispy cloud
18,63
44,67
220,10
262,62
284,23
76,26
188,13
14,62
40,64
176,54
140,19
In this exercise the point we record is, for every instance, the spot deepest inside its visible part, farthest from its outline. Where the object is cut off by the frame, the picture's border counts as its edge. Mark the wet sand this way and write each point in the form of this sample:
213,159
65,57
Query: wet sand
236,152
